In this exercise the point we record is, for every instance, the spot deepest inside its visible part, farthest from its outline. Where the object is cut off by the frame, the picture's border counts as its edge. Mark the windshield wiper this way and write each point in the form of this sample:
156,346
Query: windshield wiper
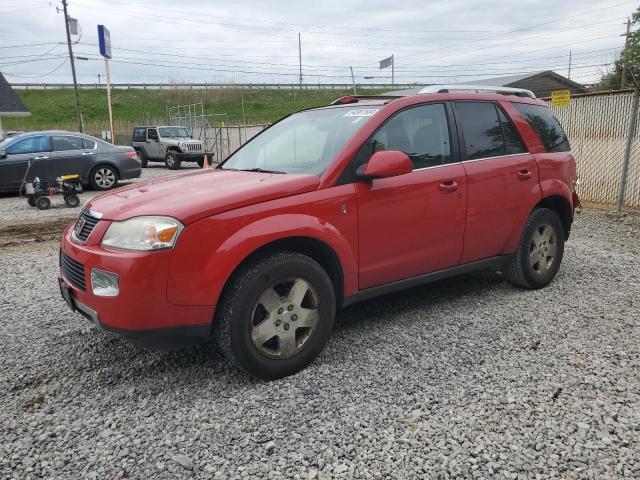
260,170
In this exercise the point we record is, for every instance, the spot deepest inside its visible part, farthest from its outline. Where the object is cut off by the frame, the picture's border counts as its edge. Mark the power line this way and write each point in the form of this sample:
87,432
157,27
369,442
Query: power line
534,37
37,76
22,62
30,45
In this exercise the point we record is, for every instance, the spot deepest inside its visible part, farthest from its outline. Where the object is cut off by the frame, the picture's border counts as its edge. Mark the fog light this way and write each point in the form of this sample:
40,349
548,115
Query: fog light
104,284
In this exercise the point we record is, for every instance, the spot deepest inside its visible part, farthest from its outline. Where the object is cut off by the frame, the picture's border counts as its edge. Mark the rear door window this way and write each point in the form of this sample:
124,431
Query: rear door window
512,142
152,133
481,128
421,132
88,144
65,143
546,125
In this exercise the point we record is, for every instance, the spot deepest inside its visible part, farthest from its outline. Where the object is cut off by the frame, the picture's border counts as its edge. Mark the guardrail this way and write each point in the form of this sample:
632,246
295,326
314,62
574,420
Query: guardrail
249,86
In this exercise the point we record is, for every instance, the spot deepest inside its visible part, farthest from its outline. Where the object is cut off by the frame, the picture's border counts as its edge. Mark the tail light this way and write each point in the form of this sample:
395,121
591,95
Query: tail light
131,154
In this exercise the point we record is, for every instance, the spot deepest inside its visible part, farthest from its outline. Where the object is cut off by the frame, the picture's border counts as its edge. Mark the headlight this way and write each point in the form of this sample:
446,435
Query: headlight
143,233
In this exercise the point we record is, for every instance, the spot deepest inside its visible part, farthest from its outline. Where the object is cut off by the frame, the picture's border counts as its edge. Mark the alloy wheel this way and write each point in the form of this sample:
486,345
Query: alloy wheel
284,318
105,178
543,248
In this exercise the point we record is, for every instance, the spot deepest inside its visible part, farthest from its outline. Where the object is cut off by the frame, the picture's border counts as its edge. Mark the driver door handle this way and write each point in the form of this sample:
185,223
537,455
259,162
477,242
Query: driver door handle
40,157
448,186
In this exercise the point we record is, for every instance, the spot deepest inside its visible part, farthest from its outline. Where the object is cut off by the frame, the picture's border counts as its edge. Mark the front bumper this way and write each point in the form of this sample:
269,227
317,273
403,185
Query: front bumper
141,312
190,157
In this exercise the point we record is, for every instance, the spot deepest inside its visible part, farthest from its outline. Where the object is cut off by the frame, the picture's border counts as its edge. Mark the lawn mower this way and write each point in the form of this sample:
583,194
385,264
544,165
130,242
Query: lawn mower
69,186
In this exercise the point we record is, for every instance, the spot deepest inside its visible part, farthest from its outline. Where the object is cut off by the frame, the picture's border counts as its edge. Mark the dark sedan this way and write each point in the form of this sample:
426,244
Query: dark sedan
48,155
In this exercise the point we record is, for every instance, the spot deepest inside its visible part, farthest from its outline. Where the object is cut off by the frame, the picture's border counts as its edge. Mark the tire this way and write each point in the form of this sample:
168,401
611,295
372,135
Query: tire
43,203
103,177
171,160
540,252
271,333
142,159
31,201
71,201
200,162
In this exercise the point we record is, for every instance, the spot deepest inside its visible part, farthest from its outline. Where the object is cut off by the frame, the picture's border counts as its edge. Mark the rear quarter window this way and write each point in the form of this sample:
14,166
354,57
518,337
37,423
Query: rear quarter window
546,125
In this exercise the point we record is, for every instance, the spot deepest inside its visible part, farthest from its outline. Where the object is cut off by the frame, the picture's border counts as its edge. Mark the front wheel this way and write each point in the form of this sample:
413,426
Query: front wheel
171,160
103,177
72,201
540,252
276,315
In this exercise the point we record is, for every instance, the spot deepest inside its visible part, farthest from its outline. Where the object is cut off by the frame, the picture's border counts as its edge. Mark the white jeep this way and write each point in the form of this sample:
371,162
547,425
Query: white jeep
171,145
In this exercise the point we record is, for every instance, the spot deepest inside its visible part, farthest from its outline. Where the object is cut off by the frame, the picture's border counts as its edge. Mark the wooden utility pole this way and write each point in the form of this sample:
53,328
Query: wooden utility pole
624,58
300,57
353,82
73,66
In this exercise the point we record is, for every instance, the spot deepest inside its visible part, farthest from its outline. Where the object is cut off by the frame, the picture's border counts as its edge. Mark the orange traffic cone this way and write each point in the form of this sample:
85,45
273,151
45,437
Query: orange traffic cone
205,163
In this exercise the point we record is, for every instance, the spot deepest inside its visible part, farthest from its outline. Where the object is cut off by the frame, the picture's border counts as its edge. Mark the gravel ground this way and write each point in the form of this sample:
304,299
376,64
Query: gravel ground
466,378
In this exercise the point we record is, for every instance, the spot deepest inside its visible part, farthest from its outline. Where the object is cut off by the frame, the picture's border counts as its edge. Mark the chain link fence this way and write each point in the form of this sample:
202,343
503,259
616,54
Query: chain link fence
598,128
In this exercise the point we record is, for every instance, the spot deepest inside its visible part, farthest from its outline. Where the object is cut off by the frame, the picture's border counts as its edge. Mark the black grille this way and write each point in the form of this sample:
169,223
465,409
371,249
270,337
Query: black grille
89,224
73,271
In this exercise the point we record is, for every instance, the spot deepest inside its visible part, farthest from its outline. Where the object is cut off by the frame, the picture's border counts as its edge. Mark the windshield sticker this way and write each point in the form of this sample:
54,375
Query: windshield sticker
361,112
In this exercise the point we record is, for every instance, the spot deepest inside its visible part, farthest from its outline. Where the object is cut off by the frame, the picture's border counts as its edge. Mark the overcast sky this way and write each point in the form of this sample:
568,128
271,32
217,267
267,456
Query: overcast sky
255,41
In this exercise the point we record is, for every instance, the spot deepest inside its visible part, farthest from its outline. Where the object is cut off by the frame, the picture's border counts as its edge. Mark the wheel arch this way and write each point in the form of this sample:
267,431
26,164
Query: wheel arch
140,149
313,248
103,163
197,280
561,206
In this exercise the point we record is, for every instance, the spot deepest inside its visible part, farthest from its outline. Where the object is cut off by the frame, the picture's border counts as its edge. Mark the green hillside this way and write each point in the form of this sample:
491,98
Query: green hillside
55,108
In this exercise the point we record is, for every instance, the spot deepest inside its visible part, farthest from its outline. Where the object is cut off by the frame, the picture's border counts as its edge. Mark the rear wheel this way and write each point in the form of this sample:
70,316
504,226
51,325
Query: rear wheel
31,201
103,177
171,160
540,252
276,316
142,159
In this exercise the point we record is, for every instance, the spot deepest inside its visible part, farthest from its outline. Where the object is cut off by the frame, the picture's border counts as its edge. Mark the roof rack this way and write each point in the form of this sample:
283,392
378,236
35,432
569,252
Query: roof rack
520,92
354,98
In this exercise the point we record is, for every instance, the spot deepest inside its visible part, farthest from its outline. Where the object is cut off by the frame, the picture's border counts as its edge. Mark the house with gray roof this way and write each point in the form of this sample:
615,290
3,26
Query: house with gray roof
541,83
10,103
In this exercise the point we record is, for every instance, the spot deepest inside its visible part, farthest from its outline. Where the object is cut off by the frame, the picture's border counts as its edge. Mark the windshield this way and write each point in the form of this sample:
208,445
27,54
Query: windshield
305,142
7,141
174,132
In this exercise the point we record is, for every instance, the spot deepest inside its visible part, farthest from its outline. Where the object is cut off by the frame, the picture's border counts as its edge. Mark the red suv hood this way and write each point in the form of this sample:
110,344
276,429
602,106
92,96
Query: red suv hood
192,196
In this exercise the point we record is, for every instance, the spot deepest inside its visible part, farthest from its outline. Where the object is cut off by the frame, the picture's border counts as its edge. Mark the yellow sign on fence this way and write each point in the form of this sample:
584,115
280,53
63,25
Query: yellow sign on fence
560,98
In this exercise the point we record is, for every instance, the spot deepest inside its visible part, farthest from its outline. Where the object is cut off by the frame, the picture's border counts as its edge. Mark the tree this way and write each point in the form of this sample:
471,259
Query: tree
613,79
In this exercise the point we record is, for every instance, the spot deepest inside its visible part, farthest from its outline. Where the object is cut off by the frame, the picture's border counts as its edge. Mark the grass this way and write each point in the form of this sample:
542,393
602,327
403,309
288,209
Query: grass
55,108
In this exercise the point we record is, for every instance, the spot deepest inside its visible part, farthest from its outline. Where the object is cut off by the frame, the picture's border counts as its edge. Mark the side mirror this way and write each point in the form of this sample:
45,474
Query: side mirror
385,164
3,154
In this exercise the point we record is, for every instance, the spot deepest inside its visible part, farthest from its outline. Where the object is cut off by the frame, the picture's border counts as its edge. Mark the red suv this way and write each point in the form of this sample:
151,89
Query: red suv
327,207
